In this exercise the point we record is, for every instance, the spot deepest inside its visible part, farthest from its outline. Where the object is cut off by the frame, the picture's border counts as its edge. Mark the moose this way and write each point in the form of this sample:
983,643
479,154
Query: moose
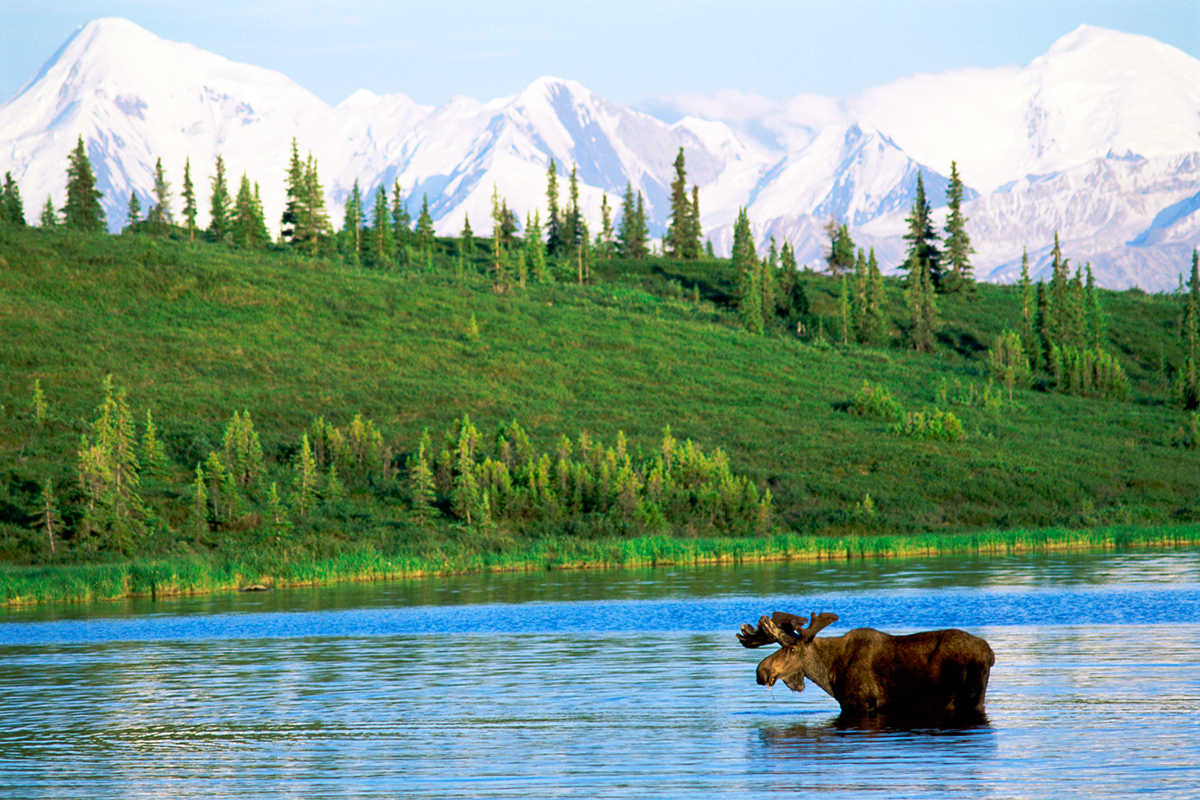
938,674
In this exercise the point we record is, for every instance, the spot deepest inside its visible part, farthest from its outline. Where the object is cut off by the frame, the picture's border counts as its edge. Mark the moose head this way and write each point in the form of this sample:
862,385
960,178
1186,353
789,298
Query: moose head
795,659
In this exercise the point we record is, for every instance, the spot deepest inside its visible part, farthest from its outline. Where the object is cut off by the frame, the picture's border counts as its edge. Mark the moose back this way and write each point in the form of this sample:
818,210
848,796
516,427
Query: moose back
935,673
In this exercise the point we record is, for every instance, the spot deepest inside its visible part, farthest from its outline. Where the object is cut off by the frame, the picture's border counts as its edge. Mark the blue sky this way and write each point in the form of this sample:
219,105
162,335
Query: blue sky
624,51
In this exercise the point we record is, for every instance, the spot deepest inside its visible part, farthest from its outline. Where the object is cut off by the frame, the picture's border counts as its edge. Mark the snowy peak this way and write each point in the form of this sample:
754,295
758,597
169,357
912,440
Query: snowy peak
1098,139
1095,92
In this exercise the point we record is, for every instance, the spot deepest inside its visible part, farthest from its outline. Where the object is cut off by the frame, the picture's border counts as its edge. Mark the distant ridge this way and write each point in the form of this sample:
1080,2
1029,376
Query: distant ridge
1074,142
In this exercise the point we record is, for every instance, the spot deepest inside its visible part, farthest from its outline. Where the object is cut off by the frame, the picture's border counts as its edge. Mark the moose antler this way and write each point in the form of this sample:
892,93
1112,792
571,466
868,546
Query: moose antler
785,629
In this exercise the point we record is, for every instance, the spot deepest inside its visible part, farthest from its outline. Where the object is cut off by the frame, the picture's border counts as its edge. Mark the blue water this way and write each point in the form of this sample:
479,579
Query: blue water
603,684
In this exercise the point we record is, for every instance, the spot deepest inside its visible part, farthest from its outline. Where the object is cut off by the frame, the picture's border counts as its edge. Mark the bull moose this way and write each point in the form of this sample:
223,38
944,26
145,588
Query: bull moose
933,673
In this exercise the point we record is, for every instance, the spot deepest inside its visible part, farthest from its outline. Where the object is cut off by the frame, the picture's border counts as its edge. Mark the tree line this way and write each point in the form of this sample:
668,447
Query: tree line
127,488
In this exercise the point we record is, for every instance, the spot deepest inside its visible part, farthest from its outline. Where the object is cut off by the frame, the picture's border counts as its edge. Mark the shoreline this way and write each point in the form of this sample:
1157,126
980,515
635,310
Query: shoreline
94,583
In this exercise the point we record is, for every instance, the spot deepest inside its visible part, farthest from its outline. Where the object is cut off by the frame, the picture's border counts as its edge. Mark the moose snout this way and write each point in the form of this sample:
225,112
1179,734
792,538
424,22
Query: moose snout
764,678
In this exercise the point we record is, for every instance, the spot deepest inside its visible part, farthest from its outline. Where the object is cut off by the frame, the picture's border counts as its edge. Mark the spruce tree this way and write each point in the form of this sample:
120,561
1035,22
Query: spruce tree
247,226
696,233
466,242
383,245
189,200
845,314
219,204
82,211
160,213
1060,288
12,209
572,217
922,248
957,244
625,229
922,304
641,229
1094,316
553,223
295,195
49,217
858,302
1026,296
605,244
840,257
535,248
679,230
746,268
874,314
352,218
767,285
1190,325
425,232
312,225
401,225
133,214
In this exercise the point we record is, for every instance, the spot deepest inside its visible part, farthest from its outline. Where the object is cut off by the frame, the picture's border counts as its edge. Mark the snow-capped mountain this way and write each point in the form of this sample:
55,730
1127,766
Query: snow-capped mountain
1099,139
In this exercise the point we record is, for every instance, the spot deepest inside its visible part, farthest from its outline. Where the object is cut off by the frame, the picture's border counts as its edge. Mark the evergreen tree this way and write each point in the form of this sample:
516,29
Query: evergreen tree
874,312
49,217
1095,317
841,248
82,211
219,204
1026,296
508,225
383,245
134,213
957,244
571,218
922,304
696,233
922,248
401,225
466,242
641,229
748,272
605,242
768,268
553,223
499,267
295,195
189,200
1190,325
160,213
12,209
247,227
1060,288
352,219
625,230
425,229
679,230
1044,321
314,226
845,314
535,249
858,300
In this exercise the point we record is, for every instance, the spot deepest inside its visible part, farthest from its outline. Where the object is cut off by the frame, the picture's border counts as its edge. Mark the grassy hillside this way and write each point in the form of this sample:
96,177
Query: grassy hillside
196,332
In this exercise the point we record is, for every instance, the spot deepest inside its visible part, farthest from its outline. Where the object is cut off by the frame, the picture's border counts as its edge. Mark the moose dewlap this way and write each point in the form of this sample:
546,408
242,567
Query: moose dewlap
934,672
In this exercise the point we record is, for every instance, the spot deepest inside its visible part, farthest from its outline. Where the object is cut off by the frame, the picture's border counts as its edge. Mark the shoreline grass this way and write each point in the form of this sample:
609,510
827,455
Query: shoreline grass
35,585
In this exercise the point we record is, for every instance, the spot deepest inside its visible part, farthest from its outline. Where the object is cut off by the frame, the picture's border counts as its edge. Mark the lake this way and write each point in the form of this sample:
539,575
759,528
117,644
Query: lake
623,683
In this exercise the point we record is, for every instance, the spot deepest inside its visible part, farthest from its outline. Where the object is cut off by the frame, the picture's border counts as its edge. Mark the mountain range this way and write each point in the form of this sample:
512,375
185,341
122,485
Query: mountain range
1097,140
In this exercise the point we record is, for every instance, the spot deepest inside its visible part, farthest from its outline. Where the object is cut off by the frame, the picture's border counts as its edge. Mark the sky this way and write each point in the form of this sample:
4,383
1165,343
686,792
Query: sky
633,52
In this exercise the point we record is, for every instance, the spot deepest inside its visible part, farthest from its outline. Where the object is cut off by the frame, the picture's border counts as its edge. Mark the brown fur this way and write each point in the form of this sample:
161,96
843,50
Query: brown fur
934,672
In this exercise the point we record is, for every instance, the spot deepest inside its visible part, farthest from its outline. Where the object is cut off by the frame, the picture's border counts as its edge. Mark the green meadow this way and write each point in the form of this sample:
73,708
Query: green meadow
645,367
